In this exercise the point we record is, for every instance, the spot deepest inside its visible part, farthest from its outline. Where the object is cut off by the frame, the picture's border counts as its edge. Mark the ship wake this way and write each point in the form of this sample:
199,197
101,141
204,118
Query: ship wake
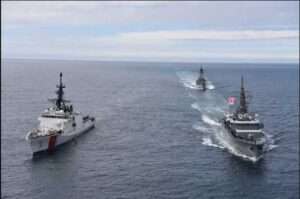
188,79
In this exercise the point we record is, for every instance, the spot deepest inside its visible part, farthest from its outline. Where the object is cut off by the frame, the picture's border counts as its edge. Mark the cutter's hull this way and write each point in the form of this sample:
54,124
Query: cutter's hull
50,142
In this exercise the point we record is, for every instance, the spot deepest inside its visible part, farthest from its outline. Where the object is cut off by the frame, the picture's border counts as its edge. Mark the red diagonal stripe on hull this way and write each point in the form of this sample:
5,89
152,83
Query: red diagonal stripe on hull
51,143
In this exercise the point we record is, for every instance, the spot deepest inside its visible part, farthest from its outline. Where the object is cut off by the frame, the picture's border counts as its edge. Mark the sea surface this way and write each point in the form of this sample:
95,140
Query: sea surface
156,135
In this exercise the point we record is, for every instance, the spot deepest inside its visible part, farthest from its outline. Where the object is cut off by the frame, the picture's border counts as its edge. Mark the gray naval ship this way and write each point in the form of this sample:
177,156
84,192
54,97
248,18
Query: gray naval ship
244,130
201,81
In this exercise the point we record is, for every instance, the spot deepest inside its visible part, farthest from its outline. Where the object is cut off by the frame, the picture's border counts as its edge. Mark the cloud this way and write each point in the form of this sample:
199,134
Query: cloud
127,13
210,35
168,55
151,30
125,47
161,46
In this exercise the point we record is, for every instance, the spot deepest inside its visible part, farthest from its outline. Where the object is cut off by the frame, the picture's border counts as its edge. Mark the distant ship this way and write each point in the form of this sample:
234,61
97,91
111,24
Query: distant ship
201,81
58,124
244,130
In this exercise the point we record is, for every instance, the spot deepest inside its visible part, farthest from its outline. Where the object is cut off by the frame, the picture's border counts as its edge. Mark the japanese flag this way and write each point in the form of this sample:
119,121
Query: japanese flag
231,100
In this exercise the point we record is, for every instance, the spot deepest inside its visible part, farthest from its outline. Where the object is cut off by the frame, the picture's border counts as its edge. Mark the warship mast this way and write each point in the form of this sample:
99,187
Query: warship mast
202,79
201,73
60,93
243,105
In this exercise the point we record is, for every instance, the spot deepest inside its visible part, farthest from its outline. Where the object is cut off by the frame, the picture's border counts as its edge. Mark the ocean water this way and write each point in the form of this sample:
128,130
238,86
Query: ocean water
156,136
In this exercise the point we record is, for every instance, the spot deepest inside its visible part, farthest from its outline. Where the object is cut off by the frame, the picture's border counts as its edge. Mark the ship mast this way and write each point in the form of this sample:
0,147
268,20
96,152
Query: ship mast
60,93
243,104
201,73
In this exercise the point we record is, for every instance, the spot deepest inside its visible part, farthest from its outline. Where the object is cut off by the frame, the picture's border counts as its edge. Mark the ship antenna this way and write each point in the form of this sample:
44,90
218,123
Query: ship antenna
60,92
201,70
201,73
243,105
60,78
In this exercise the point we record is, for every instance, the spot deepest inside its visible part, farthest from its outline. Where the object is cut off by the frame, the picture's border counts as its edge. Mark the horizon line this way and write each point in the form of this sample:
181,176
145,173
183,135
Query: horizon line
148,61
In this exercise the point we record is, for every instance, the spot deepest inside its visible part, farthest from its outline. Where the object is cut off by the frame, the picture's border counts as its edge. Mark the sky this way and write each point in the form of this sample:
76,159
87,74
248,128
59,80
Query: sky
180,31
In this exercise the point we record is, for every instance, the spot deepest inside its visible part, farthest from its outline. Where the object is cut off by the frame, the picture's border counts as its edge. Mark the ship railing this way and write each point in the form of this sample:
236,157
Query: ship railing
35,133
87,118
246,139
251,140
260,140
61,116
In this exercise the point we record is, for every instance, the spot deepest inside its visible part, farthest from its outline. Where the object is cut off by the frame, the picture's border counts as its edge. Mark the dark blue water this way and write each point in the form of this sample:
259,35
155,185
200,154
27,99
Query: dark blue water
153,137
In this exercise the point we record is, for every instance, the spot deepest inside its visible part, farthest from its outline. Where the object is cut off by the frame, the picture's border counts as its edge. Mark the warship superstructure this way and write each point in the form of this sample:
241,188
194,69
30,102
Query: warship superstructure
201,81
58,124
244,129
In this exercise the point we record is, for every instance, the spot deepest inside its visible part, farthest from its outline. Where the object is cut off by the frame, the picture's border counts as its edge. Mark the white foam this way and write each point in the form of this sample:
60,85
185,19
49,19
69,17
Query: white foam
268,135
196,106
271,142
271,147
210,121
202,128
210,86
208,142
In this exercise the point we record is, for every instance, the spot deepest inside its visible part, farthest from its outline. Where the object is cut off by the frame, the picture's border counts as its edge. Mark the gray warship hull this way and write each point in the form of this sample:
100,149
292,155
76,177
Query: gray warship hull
250,150
244,131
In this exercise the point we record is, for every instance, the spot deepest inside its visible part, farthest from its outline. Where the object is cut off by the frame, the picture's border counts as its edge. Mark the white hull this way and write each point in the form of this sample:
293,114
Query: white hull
49,143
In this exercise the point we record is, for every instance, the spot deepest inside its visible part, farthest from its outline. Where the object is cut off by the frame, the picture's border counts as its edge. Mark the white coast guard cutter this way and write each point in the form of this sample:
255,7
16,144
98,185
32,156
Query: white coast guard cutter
58,124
